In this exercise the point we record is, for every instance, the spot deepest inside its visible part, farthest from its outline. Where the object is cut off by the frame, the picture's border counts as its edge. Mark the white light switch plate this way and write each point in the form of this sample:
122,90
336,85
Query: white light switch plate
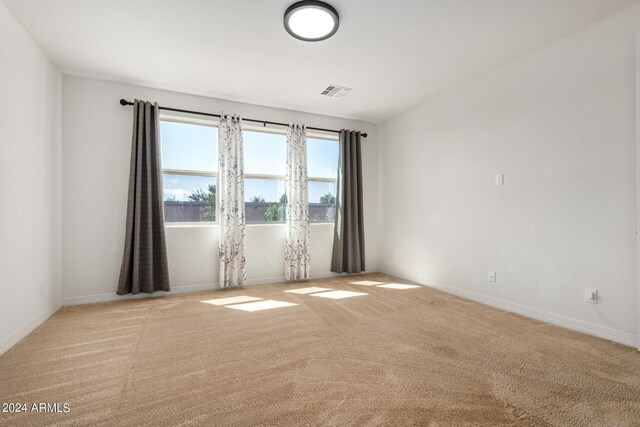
590,295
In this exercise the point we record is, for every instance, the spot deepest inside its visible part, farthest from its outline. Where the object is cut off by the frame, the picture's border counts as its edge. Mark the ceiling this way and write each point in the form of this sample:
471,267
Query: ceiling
393,53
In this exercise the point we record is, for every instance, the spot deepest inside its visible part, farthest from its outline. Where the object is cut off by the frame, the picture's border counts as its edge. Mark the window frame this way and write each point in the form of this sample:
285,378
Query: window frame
189,119
318,179
188,172
327,137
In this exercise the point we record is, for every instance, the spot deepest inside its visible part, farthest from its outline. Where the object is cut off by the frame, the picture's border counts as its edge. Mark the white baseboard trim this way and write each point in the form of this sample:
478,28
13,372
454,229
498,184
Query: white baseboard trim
97,298
588,328
29,327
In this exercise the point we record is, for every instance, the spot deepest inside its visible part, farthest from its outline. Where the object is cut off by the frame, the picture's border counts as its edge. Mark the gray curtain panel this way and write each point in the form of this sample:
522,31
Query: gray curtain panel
144,264
348,237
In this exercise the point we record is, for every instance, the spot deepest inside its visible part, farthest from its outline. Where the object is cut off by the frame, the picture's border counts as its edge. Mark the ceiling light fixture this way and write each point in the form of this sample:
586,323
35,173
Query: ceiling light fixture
311,20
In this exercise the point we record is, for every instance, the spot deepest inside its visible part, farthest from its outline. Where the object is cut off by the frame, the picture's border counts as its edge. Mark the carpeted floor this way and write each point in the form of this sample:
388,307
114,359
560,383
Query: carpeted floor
391,357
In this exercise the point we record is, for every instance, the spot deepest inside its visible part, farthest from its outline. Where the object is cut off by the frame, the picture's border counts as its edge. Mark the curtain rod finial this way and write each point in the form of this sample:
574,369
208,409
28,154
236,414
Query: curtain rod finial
364,135
124,102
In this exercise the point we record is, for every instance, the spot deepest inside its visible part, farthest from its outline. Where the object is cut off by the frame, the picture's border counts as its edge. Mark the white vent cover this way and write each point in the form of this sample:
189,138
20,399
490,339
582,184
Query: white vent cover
335,91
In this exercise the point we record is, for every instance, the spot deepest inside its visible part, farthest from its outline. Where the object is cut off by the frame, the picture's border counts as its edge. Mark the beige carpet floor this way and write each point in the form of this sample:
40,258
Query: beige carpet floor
390,357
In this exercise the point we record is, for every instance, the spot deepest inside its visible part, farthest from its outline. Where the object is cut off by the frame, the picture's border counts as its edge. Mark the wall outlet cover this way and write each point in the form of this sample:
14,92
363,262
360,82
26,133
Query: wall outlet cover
590,295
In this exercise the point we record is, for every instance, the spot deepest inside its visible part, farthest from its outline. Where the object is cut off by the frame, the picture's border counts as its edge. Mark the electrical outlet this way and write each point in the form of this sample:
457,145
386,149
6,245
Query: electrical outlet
590,295
492,276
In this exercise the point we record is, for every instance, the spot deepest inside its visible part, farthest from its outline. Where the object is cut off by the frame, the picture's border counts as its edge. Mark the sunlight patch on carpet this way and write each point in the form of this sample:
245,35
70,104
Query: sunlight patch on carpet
309,290
261,305
367,283
339,294
231,300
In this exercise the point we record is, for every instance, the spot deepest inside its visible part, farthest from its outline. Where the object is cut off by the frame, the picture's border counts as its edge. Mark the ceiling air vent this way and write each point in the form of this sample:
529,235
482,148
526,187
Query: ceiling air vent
335,91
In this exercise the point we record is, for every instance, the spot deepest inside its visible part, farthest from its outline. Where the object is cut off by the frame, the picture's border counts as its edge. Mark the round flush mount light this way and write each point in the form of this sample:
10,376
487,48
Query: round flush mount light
311,21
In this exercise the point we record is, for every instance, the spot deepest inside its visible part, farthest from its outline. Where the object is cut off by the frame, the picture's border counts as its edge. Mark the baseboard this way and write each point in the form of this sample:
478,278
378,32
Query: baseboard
91,299
97,298
588,328
29,327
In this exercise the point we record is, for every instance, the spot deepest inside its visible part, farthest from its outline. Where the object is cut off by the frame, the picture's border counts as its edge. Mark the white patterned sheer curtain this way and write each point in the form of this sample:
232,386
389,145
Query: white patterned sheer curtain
297,256
233,270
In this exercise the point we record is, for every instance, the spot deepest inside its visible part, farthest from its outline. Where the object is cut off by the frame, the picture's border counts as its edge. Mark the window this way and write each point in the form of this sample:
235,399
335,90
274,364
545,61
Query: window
322,169
189,174
264,176
190,169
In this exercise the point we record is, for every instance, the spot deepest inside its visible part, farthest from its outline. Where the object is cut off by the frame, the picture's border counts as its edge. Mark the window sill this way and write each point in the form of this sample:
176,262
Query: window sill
250,224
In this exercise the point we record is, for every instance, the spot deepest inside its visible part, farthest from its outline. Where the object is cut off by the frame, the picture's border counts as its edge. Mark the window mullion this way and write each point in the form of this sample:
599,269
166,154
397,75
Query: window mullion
189,172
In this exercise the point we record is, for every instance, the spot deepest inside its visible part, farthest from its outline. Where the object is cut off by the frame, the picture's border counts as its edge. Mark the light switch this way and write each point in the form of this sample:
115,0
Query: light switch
500,179
590,296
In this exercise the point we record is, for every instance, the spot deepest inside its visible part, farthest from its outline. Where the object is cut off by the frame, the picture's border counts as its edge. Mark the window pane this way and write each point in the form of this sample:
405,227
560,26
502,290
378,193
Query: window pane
187,146
264,153
189,198
322,201
322,158
265,200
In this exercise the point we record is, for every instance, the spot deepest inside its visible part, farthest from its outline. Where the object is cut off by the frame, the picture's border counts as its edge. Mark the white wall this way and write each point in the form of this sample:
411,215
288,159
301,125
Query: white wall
30,286
560,124
96,147
637,159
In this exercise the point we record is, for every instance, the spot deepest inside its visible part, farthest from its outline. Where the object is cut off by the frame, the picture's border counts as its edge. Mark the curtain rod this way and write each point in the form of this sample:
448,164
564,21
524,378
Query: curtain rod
124,103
